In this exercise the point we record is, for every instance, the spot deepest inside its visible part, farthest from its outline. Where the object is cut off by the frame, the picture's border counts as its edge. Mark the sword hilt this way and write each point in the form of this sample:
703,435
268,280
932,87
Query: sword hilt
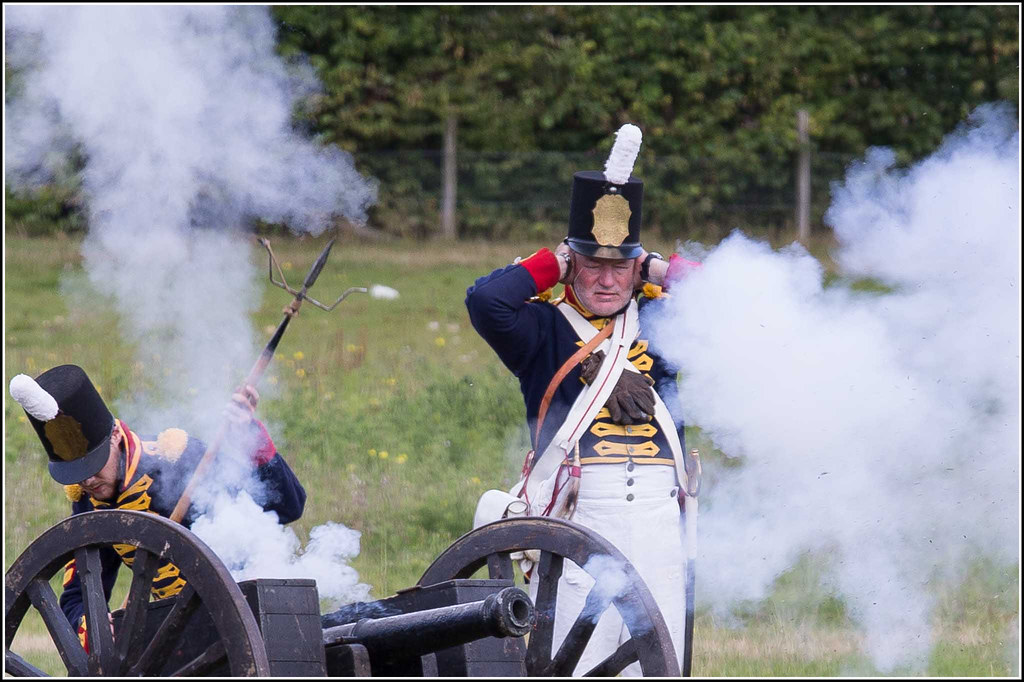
693,473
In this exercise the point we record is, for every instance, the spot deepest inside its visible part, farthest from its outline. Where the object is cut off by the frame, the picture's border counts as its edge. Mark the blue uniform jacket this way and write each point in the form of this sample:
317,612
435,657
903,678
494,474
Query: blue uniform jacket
164,467
533,339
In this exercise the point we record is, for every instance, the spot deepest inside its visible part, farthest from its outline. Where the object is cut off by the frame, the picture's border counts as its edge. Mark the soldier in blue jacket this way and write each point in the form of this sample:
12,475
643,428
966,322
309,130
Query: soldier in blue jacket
612,426
103,464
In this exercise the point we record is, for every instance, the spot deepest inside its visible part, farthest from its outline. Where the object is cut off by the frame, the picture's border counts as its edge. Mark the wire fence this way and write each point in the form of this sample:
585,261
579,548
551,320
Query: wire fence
520,195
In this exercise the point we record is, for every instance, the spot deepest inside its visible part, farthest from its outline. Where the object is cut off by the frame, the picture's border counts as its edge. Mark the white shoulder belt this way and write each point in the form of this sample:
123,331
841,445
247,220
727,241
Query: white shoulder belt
593,397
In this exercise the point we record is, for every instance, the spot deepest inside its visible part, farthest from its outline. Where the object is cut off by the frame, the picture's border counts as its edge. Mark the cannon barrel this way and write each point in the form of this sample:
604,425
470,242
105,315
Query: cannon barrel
508,613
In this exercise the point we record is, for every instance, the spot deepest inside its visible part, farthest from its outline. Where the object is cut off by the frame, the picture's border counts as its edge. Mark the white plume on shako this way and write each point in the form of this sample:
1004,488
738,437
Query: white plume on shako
34,398
881,429
626,148
183,115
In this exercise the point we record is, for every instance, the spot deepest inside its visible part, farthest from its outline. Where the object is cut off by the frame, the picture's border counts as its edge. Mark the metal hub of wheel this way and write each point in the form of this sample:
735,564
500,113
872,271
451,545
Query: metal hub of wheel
210,587
650,643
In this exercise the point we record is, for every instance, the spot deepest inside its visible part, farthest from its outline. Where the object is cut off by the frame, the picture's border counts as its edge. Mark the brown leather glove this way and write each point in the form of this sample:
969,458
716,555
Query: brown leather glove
590,365
631,401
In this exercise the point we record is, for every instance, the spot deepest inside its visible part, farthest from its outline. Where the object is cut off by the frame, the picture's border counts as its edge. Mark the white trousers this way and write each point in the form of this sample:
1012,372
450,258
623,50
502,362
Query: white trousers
637,512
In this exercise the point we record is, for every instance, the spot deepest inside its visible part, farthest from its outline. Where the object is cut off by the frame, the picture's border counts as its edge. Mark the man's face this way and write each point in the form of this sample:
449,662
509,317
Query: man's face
604,285
103,484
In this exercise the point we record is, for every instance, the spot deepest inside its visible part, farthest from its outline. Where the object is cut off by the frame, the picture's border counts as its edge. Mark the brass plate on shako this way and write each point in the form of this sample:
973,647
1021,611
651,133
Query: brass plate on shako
611,220
66,437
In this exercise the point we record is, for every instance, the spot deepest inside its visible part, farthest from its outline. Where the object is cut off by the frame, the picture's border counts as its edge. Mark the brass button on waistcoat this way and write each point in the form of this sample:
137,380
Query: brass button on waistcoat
629,497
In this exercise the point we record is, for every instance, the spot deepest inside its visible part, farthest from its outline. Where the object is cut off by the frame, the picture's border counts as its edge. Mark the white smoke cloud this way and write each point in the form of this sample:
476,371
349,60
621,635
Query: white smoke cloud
268,549
883,428
183,115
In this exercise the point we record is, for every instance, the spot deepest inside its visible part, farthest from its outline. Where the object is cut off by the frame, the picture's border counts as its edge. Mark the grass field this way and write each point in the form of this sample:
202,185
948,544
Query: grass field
395,415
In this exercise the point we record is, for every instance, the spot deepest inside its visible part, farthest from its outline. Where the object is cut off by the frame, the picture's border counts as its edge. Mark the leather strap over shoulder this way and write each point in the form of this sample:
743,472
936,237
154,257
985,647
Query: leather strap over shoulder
624,329
567,367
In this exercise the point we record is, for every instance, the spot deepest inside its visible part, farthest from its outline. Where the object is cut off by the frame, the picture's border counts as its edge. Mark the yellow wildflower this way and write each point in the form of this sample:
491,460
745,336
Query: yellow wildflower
287,265
383,454
273,381
351,348
22,418
391,381
99,389
300,373
439,341
298,355
401,458
475,479
372,452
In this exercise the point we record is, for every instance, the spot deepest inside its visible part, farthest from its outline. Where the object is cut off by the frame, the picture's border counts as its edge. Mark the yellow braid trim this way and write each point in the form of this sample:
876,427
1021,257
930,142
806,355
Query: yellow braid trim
652,290
171,443
74,492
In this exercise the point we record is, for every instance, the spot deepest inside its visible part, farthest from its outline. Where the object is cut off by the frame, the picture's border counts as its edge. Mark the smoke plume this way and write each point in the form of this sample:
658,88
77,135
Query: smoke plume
268,549
881,427
183,117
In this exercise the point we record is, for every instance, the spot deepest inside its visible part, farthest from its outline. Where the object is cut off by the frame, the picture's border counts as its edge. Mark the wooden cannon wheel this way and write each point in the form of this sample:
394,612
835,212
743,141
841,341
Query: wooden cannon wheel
81,537
557,540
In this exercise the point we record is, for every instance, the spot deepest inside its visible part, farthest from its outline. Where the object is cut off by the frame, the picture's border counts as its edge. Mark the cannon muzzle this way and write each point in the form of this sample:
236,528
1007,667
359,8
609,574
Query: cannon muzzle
508,613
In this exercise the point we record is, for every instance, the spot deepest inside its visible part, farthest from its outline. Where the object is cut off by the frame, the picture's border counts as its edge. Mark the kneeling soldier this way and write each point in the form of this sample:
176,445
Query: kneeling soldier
105,465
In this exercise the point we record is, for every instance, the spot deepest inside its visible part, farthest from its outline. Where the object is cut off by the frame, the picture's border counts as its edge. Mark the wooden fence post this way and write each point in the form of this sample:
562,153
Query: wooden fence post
450,175
803,179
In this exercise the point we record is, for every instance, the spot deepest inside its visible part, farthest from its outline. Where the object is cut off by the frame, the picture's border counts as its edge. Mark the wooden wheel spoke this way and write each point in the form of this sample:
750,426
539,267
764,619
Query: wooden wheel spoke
150,638
617,662
651,645
63,635
499,566
547,572
16,666
204,662
167,635
579,634
132,627
102,658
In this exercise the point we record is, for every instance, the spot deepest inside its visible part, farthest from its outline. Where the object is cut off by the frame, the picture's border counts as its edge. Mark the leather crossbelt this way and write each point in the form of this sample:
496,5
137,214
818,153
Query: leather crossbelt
567,367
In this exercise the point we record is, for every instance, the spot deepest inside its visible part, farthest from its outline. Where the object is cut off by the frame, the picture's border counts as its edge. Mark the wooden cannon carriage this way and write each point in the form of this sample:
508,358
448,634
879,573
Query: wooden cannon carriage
449,624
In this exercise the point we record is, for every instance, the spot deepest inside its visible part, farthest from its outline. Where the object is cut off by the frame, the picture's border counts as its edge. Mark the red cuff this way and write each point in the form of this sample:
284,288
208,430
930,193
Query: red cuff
265,450
679,267
543,267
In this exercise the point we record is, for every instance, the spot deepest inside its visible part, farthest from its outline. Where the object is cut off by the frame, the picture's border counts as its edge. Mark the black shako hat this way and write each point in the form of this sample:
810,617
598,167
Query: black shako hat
605,207
71,419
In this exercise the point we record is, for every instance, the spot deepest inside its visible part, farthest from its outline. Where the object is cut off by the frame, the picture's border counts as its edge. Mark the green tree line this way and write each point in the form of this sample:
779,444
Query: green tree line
537,92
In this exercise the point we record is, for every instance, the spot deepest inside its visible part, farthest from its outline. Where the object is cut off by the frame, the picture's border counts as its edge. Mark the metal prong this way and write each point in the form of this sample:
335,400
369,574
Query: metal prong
350,290
270,267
